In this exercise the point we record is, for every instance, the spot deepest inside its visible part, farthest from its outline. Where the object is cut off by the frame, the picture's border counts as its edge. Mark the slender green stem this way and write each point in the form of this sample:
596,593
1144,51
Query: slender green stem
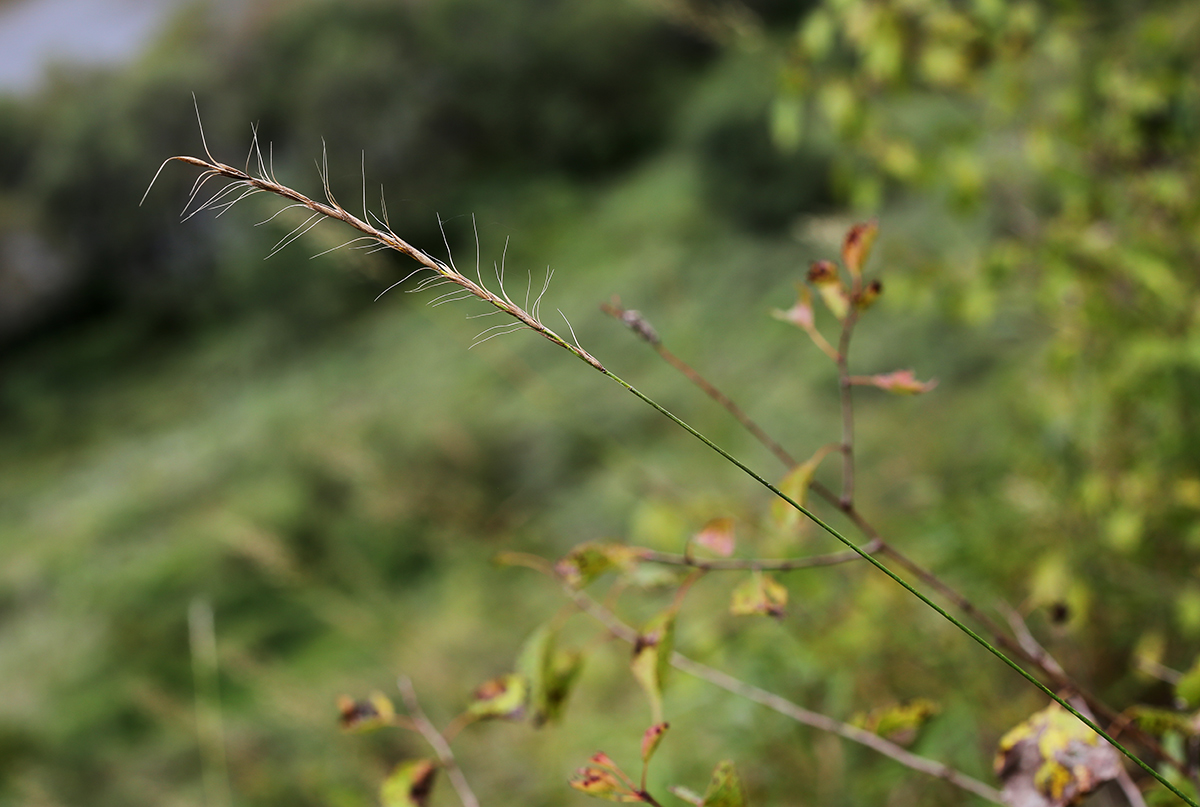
264,181
926,600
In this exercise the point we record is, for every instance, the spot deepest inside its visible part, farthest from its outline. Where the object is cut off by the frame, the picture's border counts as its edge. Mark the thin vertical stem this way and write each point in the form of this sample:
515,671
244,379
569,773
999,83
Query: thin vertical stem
847,401
437,742
210,729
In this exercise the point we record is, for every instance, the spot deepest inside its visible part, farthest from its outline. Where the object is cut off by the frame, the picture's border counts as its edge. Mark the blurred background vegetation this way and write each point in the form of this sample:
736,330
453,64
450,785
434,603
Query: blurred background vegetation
184,422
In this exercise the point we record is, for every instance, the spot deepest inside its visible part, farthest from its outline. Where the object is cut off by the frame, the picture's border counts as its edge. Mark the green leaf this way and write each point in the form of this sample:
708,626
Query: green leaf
1162,721
651,738
1188,688
898,722
375,712
1053,760
795,487
759,595
409,784
724,789
550,672
500,698
652,658
586,562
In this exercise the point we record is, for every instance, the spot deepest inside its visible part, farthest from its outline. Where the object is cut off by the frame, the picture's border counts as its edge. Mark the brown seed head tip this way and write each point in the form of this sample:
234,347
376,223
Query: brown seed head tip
640,325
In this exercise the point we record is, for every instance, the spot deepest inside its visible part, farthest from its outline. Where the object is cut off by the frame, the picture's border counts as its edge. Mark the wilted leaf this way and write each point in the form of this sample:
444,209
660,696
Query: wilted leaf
500,698
724,789
409,784
1188,688
759,595
550,673
857,246
1052,760
901,382
651,738
717,536
586,562
824,277
867,297
898,722
373,713
652,658
795,487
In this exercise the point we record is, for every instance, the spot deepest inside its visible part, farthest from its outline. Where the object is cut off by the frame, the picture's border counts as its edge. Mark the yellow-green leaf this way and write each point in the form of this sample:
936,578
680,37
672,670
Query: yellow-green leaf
550,673
409,784
652,658
373,713
1188,688
795,487
586,562
500,698
759,595
724,789
898,722
824,277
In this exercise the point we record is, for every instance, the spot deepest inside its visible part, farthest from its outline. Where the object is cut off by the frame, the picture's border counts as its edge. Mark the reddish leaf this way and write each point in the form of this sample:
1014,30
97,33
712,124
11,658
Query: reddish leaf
800,314
717,536
603,784
604,780
901,382
652,738
857,246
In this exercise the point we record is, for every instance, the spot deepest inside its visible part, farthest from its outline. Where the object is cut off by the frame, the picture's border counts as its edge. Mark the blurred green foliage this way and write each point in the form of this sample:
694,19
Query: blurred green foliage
190,421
